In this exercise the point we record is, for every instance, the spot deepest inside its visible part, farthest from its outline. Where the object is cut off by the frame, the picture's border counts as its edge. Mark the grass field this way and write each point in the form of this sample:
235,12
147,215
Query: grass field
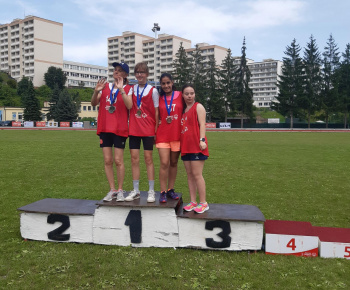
289,176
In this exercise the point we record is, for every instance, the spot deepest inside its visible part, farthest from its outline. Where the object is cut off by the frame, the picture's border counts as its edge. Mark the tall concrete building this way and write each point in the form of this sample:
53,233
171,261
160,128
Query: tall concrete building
132,48
207,51
263,82
81,73
29,46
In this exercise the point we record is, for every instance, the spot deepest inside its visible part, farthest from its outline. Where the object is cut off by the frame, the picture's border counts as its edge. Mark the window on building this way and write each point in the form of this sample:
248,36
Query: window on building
84,108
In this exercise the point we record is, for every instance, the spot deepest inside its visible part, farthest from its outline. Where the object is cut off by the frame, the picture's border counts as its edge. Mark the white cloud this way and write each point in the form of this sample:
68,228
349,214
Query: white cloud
86,53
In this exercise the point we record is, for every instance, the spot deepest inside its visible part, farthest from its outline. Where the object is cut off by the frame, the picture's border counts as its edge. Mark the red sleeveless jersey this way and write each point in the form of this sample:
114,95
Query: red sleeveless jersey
190,133
170,132
143,125
116,122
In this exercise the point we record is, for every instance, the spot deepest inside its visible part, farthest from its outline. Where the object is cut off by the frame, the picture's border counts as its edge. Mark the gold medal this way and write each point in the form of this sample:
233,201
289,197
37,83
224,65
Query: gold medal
168,119
139,112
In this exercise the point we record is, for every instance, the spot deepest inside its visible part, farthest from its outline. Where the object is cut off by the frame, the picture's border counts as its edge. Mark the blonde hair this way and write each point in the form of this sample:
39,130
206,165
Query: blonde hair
141,66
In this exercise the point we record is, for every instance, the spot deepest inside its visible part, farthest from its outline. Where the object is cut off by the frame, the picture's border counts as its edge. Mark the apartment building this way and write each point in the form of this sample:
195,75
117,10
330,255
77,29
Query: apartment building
82,74
263,82
29,46
132,48
207,51
125,48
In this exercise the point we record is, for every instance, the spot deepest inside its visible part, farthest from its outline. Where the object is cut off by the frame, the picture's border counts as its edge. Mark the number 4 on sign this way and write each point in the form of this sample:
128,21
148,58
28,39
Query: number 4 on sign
291,244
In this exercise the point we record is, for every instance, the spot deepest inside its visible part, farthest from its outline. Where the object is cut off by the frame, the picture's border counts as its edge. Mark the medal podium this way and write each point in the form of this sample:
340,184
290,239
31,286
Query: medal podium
140,224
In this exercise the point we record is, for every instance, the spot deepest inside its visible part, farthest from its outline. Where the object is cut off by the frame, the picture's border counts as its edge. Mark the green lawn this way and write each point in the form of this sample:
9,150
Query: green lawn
289,176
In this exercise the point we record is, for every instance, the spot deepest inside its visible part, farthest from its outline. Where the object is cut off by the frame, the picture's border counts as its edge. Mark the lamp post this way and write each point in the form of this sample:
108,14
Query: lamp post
155,29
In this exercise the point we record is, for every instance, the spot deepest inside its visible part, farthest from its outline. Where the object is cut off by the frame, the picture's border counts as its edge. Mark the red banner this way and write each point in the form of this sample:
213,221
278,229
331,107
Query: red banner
210,125
16,124
64,124
40,124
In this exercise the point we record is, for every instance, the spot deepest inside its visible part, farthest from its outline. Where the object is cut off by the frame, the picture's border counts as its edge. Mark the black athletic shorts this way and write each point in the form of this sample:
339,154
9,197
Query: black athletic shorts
135,142
110,139
194,157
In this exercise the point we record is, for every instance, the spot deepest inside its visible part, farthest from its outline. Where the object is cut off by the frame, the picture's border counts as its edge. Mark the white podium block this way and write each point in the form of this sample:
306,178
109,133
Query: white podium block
229,227
137,223
334,242
290,238
58,220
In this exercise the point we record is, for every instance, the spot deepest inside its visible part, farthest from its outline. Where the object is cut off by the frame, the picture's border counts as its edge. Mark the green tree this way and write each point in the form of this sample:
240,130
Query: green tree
311,100
12,83
44,94
291,83
344,84
227,83
53,76
22,88
330,82
9,97
244,94
66,110
181,67
213,94
31,105
197,75
55,95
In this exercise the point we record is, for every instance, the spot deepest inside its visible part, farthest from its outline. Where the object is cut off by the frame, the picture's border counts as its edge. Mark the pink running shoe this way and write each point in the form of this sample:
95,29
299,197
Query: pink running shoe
202,207
191,206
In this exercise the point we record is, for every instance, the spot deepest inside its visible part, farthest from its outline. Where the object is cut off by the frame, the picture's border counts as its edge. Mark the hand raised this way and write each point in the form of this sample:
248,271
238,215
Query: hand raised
100,84
119,82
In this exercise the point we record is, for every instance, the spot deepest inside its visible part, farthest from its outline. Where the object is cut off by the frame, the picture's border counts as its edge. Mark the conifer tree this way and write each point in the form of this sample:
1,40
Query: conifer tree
244,94
227,83
213,94
22,88
181,67
55,95
311,100
197,75
291,83
31,104
344,85
330,82
66,110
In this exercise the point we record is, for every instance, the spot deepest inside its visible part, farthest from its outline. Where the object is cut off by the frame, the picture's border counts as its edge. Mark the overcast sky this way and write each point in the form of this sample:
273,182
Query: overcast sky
268,25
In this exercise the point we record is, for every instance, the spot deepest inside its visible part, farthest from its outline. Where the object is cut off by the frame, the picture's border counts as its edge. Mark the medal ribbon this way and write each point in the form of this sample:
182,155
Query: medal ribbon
139,97
171,102
113,97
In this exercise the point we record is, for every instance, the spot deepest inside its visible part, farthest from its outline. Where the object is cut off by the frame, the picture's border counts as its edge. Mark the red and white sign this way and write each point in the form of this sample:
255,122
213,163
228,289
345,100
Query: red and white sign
40,124
78,124
334,242
16,124
290,238
210,125
64,124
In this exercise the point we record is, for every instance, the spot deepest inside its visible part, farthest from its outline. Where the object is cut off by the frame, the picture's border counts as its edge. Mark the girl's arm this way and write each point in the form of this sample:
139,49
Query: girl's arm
201,121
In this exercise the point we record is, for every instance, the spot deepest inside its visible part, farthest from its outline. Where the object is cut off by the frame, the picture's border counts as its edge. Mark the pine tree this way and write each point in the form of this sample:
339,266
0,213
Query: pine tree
330,82
31,104
22,88
291,83
213,94
55,95
311,100
244,94
181,67
66,110
197,76
344,84
227,83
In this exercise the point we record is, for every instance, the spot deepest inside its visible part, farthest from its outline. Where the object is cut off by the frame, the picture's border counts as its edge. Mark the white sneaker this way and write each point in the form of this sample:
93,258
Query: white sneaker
133,195
151,196
109,195
120,195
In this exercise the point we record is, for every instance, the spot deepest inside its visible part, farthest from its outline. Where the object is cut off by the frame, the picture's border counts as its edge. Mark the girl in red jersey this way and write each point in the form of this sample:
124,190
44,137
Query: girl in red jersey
168,136
112,125
194,149
142,126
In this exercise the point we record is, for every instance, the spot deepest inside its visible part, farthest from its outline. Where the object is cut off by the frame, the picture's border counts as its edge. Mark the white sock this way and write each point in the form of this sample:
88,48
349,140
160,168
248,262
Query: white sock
136,184
151,184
